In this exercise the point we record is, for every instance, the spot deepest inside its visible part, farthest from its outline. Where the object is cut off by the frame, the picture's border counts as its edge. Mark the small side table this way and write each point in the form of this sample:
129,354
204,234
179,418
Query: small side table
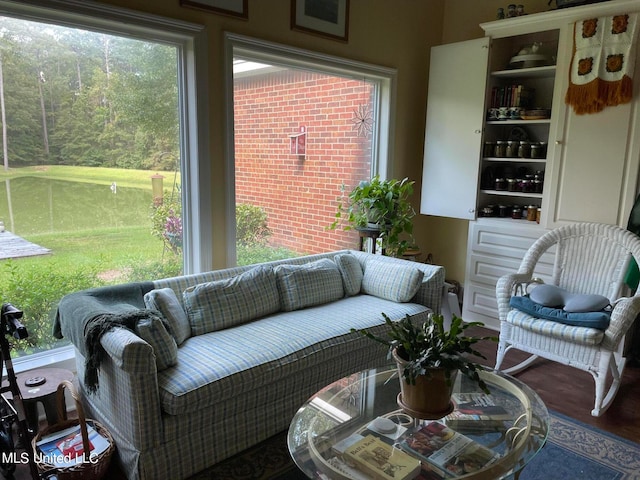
41,385
372,233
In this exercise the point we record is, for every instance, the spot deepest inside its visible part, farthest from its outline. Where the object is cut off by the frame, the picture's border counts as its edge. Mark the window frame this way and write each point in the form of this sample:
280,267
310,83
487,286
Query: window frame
276,54
191,43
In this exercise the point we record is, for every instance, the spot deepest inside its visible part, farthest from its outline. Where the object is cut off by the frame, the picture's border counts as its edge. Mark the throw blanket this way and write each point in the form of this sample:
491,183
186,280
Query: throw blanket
603,63
95,311
98,326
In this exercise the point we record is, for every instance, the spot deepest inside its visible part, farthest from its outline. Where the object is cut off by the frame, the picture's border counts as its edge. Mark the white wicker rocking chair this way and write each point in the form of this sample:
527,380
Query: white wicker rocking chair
586,258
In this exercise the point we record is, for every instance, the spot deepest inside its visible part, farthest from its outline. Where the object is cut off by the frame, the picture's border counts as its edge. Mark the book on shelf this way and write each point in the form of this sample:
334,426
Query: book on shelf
64,448
450,452
476,410
382,461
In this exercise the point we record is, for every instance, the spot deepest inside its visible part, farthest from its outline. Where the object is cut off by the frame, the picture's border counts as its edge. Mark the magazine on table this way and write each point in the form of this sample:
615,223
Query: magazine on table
64,448
450,452
476,411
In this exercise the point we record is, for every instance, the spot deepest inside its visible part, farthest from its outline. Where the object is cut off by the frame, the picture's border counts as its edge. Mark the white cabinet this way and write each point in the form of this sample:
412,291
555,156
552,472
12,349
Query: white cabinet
590,169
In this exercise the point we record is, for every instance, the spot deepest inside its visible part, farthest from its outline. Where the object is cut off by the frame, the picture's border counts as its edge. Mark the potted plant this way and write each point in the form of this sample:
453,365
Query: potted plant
383,205
429,358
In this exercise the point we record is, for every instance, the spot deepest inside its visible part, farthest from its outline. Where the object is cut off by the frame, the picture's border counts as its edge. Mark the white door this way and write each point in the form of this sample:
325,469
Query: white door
453,136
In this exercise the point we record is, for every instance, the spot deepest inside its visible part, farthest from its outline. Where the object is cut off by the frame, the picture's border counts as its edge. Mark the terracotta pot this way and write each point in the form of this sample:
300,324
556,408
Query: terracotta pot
430,397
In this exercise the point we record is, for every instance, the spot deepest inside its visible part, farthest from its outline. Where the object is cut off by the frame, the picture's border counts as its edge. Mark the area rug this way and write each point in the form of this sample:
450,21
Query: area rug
573,451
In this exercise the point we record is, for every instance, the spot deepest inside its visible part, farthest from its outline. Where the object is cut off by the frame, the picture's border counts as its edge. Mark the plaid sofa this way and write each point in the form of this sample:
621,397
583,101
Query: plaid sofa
235,383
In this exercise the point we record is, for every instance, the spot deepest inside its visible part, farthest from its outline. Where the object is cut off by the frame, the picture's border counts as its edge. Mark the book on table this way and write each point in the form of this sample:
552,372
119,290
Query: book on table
476,411
450,452
381,461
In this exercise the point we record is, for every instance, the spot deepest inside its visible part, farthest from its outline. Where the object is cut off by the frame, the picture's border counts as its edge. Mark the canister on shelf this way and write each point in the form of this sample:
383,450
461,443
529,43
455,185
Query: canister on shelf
538,214
503,211
512,148
532,211
512,184
524,151
501,184
489,149
501,148
536,150
537,186
516,212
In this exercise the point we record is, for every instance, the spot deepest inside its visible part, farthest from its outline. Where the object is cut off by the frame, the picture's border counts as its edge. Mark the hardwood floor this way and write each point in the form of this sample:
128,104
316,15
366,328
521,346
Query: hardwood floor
571,392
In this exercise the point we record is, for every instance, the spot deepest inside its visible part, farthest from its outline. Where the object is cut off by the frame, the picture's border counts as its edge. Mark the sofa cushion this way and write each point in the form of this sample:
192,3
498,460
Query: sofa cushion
351,272
165,301
398,283
218,366
165,349
224,303
308,284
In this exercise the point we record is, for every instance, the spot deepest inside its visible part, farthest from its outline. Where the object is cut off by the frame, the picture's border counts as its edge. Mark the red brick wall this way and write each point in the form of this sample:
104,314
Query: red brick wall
300,193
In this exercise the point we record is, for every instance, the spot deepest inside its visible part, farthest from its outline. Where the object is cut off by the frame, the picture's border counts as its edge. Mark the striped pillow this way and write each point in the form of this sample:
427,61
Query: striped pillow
153,331
224,303
351,272
309,284
165,301
398,283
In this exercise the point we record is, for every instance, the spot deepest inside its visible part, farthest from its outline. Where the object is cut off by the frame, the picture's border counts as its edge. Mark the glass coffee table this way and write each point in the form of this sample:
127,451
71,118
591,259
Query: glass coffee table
511,427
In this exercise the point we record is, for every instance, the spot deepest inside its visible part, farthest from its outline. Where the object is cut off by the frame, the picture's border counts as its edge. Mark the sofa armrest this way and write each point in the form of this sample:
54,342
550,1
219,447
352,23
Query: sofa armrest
127,400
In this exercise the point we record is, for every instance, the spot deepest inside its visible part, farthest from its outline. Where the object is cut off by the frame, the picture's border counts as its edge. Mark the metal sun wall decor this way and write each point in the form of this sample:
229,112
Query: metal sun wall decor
362,120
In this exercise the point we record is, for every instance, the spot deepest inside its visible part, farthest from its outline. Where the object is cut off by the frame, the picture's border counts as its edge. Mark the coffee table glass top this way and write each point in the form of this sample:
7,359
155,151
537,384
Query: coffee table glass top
513,429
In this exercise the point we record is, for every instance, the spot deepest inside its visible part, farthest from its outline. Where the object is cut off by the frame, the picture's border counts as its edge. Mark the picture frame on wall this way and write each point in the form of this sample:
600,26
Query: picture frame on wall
327,18
234,8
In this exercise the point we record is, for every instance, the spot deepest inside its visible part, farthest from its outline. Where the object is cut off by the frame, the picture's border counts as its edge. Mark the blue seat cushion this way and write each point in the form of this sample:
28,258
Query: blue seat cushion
599,320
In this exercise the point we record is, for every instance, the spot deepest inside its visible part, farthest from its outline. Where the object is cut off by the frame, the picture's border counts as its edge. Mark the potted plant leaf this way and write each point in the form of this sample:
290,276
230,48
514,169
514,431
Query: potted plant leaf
429,358
383,205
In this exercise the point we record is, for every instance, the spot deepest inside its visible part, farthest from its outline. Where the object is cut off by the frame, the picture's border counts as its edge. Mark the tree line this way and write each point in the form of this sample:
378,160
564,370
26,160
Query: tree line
74,97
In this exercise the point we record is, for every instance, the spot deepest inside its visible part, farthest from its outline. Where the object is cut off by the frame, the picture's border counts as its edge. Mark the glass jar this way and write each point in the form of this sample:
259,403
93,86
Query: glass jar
489,149
500,184
501,149
512,148
511,10
516,212
532,210
536,150
526,185
537,185
512,184
503,211
524,151
538,214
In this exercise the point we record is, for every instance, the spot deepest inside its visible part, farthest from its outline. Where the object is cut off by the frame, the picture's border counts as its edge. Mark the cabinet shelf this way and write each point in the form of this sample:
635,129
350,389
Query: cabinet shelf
518,122
507,193
514,160
548,71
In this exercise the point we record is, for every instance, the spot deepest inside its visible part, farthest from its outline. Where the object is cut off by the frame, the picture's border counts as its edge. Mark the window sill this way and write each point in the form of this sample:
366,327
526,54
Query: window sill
62,357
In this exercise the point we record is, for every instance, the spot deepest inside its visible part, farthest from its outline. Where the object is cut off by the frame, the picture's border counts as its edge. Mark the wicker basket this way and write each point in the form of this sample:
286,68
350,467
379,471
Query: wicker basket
94,467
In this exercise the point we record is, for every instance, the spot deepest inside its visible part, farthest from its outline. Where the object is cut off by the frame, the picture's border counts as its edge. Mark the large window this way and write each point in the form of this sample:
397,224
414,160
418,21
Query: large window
99,175
306,128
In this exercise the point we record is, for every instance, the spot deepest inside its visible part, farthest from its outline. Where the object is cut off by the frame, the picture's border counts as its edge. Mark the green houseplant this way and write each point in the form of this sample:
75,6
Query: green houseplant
380,204
429,358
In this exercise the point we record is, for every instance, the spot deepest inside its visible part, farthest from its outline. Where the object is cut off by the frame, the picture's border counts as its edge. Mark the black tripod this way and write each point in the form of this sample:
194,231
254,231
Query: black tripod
10,414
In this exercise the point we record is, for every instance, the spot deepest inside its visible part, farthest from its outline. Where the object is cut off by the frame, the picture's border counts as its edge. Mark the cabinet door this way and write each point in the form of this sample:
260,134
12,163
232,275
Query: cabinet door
595,159
455,115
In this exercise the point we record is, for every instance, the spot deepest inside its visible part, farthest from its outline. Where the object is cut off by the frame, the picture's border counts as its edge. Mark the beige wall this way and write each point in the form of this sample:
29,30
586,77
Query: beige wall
390,33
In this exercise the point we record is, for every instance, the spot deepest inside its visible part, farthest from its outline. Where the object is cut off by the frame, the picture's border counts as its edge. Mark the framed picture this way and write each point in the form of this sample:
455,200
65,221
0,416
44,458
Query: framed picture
329,18
235,8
